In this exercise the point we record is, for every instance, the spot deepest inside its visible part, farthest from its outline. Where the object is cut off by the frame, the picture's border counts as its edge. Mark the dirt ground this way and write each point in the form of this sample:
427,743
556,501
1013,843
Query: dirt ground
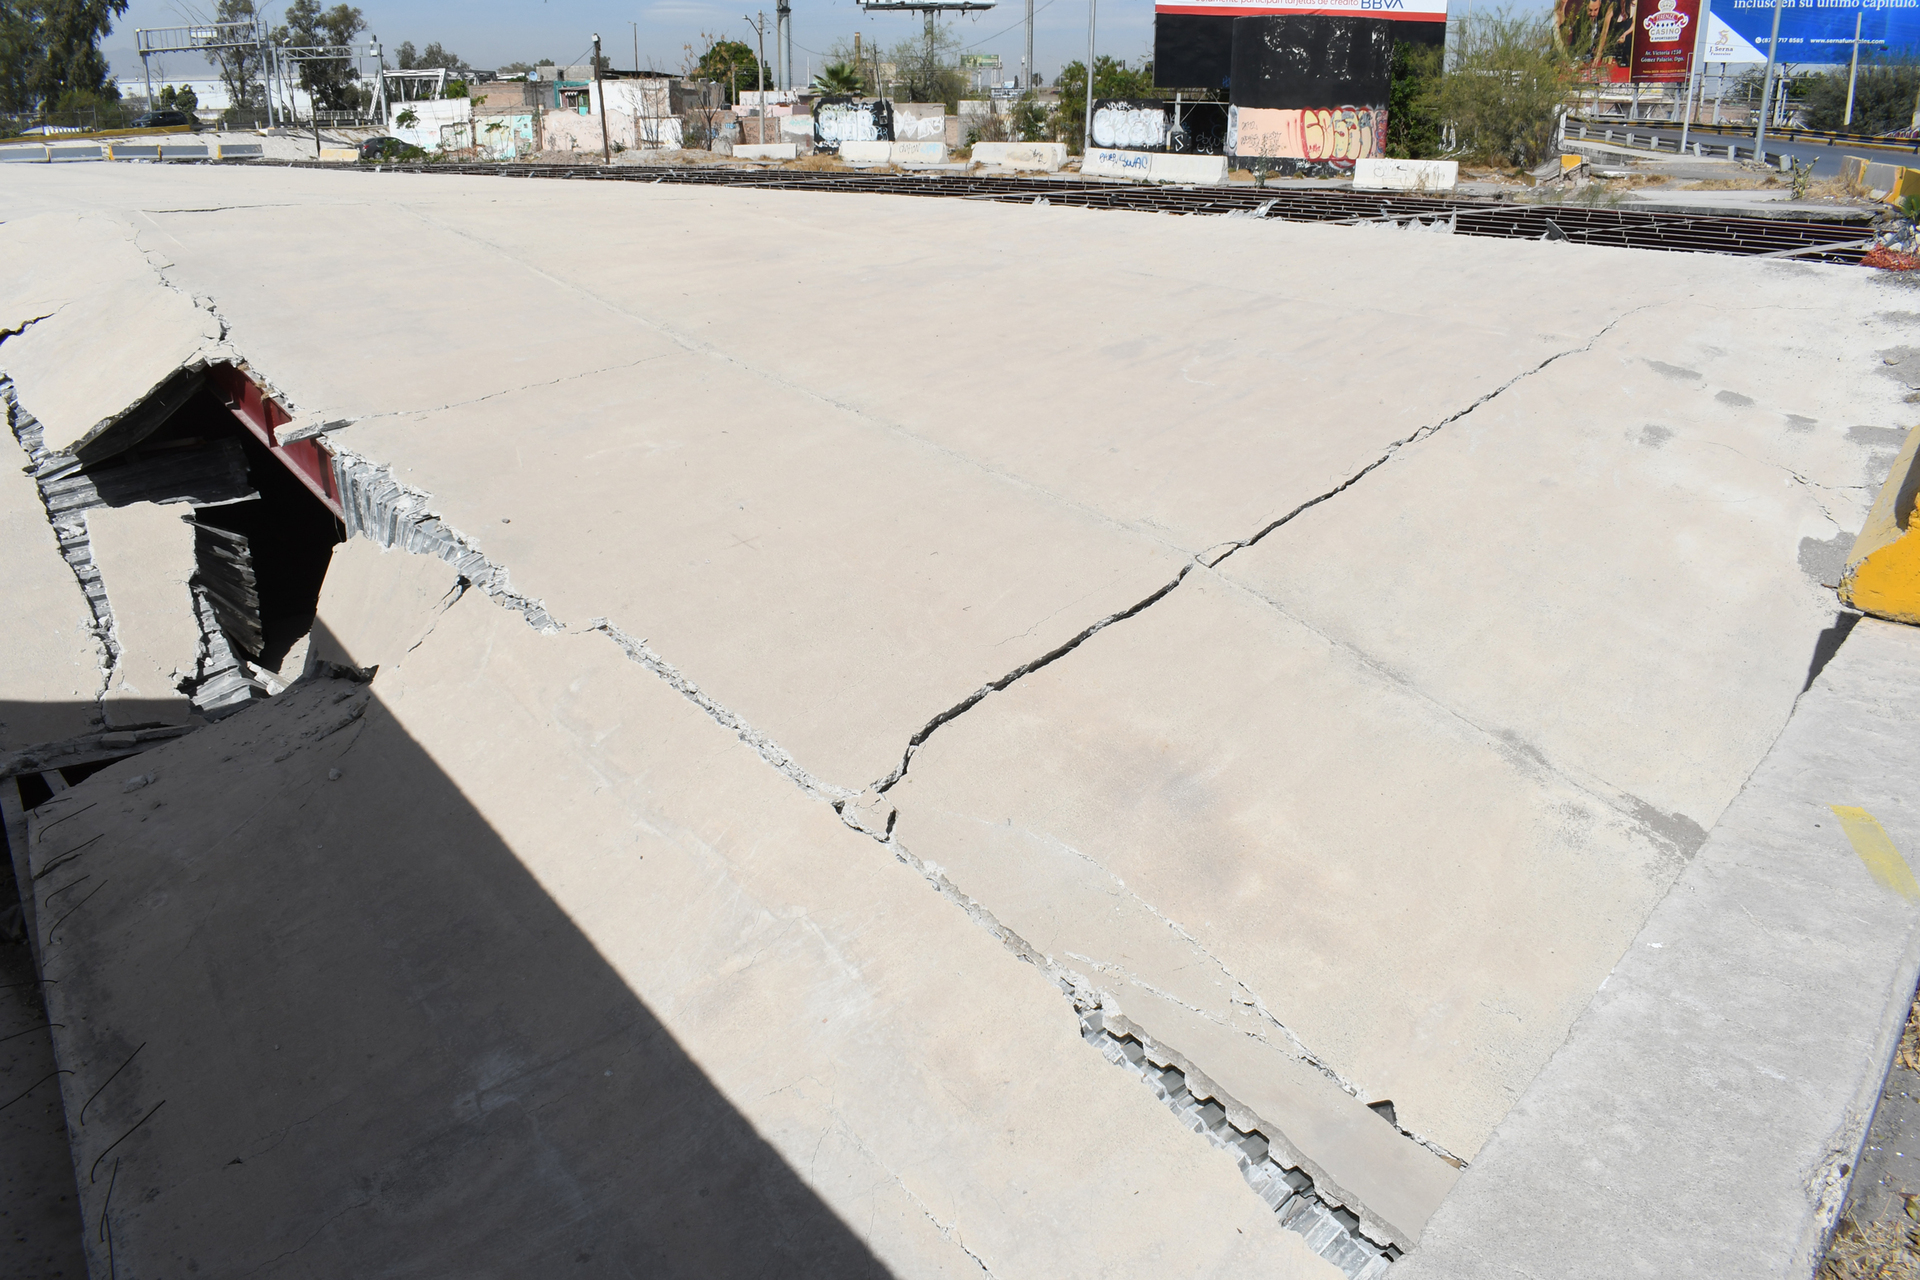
1878,1236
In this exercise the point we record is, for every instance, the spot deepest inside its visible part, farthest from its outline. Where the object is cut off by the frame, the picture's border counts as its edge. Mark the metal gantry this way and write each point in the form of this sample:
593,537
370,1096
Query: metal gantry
204,38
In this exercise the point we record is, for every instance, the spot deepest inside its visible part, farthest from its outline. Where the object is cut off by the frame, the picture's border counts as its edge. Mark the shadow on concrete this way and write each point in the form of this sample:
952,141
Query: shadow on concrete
380,1045
1828,643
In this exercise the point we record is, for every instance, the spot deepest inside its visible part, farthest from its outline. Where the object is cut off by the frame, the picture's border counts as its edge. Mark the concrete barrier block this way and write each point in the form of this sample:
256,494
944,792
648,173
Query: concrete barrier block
337,155
1883,569
83,151
23,155
1204,170
133,151
238,151
183,151
1105,162
1048,157
867,152
767,151
910,155
1410,175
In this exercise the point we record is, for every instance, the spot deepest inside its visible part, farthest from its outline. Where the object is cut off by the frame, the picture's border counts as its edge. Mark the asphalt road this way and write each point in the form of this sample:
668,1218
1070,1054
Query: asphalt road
1824,157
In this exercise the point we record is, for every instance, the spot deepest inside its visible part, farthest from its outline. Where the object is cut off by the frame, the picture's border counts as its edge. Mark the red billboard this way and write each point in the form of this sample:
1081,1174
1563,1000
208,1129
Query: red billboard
1663,36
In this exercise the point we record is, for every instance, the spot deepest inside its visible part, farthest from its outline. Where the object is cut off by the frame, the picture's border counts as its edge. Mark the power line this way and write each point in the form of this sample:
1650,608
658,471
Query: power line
996,35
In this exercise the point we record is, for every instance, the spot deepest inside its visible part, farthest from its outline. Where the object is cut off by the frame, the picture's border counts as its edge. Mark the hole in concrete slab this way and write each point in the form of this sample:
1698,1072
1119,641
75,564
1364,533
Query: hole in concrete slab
1384,1109
261,553
75,774
34,790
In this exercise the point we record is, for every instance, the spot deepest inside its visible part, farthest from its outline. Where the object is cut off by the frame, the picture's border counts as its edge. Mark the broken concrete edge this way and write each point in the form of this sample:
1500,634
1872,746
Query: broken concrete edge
69,530
1099,1011
92,748
222,680
1883,569
1247,1121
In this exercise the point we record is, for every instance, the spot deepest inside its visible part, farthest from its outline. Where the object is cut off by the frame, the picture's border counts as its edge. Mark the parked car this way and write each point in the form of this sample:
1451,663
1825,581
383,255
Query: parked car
163,120
385,148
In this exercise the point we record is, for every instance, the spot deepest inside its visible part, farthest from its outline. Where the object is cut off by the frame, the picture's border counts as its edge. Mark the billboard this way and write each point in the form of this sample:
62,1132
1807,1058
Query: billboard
1819,31
1193,39
1664,32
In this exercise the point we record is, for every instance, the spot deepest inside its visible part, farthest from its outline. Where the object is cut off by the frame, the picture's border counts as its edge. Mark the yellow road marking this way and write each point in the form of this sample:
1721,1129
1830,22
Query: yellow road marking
1875,847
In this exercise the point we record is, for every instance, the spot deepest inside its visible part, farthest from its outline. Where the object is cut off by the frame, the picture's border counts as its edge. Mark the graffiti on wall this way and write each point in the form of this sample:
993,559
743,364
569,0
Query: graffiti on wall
1133,126
919,124
838,120
1325,135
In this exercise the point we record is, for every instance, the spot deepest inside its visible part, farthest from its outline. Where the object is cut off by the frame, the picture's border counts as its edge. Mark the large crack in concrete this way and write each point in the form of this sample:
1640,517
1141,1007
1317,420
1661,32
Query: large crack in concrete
380,508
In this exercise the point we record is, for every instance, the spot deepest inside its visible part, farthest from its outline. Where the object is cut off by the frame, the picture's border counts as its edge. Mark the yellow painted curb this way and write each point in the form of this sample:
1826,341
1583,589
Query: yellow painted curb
1883,569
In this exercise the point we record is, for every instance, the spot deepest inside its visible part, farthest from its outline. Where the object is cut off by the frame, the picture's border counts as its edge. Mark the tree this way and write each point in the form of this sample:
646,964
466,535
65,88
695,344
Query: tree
515,69
1111,79
838,77
181,99
732,63
331,81
435,56
69,73
1029,120
20,54
928,68
1503,94
240,69
1883,97
1413,130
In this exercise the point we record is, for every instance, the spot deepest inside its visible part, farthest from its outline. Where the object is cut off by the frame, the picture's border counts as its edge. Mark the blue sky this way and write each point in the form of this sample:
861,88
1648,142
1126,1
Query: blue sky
492,34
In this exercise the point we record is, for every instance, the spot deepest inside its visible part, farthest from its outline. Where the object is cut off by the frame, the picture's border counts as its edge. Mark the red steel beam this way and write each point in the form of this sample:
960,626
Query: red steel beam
307,459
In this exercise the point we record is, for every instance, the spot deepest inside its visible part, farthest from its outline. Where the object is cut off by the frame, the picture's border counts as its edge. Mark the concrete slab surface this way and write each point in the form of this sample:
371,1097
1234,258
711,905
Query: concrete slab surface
1707,1109
453,932
145,556
71,291
1327,684
39,1211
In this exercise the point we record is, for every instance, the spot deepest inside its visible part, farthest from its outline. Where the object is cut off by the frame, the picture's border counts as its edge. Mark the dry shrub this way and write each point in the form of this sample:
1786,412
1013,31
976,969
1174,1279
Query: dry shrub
1908,1056
1877,1251
819,161
1503,93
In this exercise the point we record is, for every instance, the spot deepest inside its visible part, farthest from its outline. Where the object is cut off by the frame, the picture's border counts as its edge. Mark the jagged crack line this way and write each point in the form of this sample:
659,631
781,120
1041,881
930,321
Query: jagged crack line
1386,455
70,534
381,509
972,700
766,748
1025,669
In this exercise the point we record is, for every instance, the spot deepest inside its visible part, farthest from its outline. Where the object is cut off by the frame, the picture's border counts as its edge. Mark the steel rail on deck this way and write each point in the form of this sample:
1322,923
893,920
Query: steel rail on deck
1803,239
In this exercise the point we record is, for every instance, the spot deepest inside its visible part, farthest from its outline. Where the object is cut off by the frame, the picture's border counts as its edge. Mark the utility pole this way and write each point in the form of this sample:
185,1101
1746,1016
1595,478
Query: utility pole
636,47
783,42
1766,89
1853,69
600,87
760,74
1028,86
380,80
1086,141
1696,72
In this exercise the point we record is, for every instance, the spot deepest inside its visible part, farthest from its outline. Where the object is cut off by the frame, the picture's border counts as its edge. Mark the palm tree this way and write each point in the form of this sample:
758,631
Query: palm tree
838,77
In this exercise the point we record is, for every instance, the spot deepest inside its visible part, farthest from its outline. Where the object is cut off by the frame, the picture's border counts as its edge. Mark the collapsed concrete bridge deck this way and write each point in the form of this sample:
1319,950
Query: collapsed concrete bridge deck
899,710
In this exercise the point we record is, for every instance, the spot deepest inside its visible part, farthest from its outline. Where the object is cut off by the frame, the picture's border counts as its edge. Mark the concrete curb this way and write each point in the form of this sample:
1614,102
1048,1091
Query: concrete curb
1706,1111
